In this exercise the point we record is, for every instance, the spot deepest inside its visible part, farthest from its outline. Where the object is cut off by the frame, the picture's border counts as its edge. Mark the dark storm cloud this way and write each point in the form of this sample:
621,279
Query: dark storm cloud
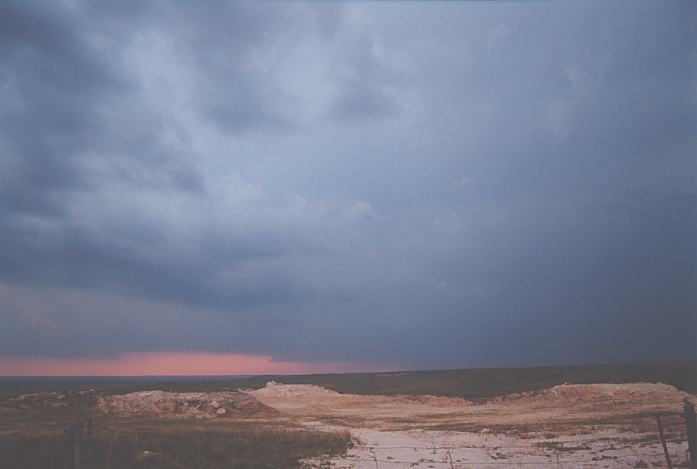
63,99
49,80
73,123
360,101
436,185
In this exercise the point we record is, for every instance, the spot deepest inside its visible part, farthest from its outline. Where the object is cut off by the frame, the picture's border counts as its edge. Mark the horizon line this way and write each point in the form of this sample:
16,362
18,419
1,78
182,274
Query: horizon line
306,373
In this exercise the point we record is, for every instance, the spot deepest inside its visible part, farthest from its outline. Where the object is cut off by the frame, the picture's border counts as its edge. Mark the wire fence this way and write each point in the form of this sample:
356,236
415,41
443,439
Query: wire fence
630,458
89,445
82,450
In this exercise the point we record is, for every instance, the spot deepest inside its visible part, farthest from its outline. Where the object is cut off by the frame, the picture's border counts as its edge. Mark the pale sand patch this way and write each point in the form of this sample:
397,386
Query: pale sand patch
594,425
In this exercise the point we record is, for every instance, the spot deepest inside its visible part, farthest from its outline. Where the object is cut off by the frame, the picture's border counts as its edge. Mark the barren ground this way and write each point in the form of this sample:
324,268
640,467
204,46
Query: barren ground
591,425
569,425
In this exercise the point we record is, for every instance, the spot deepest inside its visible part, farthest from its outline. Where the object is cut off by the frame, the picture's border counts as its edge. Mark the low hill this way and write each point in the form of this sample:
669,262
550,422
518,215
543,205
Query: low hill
473,384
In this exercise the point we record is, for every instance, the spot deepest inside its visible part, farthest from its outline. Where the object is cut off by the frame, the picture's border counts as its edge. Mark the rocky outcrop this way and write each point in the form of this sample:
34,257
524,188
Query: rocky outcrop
194,404
225,404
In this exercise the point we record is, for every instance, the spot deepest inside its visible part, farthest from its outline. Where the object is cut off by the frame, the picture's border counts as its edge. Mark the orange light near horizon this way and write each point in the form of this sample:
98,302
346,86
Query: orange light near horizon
175,363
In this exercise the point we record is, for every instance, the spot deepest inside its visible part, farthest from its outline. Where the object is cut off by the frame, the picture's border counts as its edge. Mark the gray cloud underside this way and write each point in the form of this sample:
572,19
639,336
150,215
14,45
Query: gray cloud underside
433,185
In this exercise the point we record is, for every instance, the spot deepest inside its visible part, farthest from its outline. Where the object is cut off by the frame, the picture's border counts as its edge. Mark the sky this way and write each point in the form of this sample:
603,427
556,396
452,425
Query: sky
233,187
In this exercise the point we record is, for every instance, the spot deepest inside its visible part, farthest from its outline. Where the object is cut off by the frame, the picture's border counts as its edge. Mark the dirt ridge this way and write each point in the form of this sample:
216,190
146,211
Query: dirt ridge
229,404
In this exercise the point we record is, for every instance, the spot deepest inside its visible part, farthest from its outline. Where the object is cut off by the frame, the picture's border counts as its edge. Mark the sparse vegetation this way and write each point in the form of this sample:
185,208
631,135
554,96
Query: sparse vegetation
157,433
560,446
174,445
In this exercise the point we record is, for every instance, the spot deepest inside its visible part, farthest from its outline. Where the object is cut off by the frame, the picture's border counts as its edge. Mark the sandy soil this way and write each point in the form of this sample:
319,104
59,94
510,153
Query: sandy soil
595,425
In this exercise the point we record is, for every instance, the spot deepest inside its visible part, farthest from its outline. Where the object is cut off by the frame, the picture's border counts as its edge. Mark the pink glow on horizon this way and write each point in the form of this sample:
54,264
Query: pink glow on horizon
176,363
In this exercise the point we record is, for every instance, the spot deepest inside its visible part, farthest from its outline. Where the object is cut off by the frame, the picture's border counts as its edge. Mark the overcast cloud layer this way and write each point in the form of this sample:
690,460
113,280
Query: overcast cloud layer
426,184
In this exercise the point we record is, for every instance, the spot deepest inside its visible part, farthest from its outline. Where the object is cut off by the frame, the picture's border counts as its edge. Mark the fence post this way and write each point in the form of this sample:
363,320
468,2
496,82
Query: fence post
68,436
375,458
89,444
77,447
111,449
691,422
200,450
77,435
663,442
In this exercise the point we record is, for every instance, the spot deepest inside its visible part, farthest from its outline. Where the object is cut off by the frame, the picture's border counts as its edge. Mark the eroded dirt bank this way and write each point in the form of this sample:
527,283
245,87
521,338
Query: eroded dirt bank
594,425
221,404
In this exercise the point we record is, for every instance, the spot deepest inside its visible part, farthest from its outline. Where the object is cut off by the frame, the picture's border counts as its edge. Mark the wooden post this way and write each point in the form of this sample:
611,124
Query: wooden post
204,445
691,422
450,458
110,453
663,442
68,436
375,458
200,450
77,448
77,435
89,445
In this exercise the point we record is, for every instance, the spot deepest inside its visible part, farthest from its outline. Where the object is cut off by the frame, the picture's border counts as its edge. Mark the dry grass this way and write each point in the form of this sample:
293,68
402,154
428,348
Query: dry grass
157,444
